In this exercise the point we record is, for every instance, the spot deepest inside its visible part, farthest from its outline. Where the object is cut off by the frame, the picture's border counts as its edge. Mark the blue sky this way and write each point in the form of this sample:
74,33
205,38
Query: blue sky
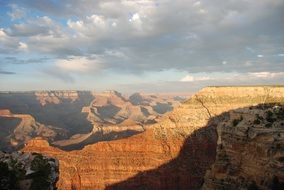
142,45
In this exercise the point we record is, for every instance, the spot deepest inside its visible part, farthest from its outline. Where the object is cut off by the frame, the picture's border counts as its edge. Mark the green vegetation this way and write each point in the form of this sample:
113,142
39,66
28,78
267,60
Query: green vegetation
270,116
280,113
7,178
10,172
13,171
258,119
268,125
42,171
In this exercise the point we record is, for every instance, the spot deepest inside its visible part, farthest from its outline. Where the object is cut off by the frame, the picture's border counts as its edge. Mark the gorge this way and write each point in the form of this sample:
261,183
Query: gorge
72,119
176,152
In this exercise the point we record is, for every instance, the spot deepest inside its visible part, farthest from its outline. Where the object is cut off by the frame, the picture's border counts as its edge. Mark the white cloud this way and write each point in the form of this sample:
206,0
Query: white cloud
16,12
151,34
135,17
116,53
232,77
97,20
266,75
41,25
76,24
78,64
2,34
260,56
23,46
8,43
136,21
190,78
202,11
197,3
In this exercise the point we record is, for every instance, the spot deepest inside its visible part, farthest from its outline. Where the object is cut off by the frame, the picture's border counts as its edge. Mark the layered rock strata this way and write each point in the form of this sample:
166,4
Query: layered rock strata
172,154
250,153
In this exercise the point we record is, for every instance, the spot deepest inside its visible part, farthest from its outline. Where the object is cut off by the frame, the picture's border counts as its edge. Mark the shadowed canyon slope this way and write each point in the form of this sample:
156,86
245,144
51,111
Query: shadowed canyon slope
171,154
72,119
250,153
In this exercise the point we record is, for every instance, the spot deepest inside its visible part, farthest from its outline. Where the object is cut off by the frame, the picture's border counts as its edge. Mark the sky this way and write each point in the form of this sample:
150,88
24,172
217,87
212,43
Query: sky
140,45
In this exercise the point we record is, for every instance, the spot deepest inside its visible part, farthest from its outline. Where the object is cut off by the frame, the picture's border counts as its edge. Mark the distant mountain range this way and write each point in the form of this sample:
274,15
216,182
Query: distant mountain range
72,119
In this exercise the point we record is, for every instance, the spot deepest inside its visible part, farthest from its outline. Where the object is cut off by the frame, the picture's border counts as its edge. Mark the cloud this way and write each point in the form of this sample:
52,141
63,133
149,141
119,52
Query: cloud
15,60
153,37
8,44
35,26
189,78
6,72
23,46
16,12
143,36
78,64
266,75
232,76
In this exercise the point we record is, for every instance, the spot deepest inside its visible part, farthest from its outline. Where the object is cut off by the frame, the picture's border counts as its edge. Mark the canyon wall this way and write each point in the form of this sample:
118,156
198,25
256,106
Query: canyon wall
250,153
72,119
171,154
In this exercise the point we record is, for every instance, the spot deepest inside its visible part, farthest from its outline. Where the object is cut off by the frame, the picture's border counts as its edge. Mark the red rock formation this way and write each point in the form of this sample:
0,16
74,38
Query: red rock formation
21,128
112,108
55,97
172,154
250,152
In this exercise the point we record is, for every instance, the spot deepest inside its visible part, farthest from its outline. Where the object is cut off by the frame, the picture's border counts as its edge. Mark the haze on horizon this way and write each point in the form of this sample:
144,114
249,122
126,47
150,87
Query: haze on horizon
141,45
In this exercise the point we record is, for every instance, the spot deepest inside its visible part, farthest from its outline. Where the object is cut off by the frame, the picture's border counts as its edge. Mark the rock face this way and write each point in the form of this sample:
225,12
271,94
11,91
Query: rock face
28,171
72,119
112,108
16,129
61,109
56,97
171,154
250,152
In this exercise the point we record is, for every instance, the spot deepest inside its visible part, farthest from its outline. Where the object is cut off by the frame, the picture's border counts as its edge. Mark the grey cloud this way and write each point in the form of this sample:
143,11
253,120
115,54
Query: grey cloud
183,35
16,12
36,26
6,72
15,60
194,86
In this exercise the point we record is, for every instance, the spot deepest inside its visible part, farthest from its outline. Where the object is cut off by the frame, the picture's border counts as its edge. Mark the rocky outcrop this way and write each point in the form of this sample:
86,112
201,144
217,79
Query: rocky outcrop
28,171
17,129
250,152
60,109
99,133
56,97
73,119
171,154
112,108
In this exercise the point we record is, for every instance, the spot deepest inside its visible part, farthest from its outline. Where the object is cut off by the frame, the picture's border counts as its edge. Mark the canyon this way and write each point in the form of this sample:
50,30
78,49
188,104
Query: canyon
213,131
72,119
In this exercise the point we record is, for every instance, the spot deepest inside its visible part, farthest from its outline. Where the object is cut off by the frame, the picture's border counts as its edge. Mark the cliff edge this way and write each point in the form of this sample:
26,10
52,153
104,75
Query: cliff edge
171,154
